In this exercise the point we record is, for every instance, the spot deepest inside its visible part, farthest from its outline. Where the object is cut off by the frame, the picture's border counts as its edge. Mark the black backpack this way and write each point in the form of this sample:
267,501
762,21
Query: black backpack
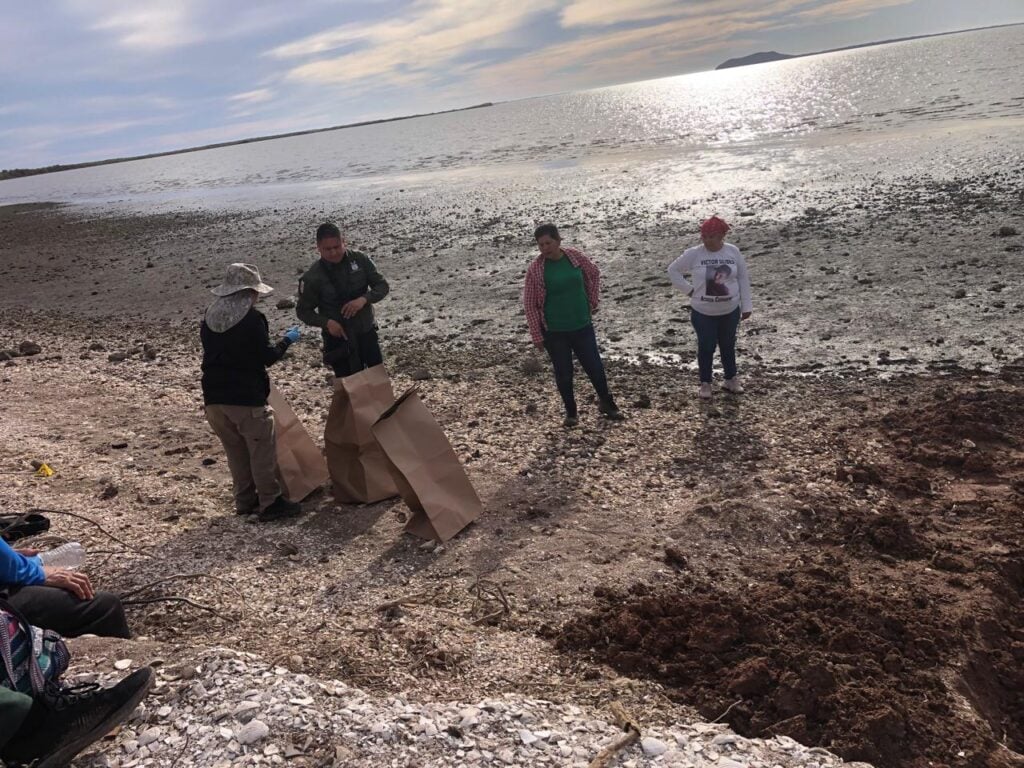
14,527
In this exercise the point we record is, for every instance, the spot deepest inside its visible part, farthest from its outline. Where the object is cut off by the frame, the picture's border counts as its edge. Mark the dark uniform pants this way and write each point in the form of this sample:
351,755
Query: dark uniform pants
364,354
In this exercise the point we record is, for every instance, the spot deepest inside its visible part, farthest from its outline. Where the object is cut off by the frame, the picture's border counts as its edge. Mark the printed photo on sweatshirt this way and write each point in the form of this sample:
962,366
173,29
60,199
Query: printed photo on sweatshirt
720,283
717,282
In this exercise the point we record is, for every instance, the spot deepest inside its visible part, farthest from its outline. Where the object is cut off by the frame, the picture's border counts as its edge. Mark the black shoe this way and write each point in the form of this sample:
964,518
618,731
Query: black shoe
279,508
64,721
571,421
610,411
254,509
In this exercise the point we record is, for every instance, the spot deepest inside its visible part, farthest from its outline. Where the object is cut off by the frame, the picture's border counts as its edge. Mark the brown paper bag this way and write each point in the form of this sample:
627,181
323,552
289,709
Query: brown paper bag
426,470
300,463
358,467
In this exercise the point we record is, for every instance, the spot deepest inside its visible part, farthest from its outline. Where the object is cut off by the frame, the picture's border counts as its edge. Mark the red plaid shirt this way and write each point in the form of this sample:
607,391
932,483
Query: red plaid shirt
534,291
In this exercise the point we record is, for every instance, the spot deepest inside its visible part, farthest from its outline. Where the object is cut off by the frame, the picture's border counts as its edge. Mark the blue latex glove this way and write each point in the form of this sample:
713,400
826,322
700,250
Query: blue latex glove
293,334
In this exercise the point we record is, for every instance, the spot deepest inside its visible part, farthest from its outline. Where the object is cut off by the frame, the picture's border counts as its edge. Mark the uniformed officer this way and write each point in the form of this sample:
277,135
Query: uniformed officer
336,295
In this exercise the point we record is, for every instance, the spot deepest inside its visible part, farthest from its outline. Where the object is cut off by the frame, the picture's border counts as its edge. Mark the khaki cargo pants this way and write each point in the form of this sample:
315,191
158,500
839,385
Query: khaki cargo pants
248,437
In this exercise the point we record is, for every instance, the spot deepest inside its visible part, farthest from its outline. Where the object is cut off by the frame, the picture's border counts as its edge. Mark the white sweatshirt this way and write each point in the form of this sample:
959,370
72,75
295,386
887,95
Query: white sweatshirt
720,280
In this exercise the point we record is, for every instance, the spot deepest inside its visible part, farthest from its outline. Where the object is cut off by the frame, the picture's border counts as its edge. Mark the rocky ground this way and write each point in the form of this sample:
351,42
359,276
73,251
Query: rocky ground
832,560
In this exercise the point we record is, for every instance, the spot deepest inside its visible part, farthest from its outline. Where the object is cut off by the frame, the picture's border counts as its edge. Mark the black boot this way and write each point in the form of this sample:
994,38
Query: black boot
280,507
64,721
610,410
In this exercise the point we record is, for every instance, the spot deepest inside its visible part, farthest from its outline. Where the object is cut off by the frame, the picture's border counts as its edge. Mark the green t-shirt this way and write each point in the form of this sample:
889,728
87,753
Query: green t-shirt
565,302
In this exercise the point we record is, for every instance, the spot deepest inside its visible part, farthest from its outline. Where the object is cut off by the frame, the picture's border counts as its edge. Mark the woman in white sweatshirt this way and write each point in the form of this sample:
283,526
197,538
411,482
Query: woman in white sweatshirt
719,291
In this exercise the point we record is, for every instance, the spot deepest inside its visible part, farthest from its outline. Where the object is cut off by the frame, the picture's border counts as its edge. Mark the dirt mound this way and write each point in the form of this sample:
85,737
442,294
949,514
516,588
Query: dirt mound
860,670
887,532
959,429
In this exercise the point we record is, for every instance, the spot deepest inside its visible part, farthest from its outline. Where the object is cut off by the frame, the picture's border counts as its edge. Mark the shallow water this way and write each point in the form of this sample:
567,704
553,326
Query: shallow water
940,106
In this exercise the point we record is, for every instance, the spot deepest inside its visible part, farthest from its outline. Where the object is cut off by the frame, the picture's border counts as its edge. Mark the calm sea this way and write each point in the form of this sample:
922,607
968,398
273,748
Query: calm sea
940,106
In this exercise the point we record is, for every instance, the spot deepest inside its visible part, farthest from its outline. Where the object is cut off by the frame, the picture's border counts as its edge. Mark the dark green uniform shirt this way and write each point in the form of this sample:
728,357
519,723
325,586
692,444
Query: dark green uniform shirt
565,297
355,276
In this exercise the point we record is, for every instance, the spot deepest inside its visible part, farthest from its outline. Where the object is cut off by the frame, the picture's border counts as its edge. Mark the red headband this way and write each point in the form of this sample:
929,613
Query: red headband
714,226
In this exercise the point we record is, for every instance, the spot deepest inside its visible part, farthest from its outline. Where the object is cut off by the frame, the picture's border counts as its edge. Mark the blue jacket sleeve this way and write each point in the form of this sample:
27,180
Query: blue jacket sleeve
18,569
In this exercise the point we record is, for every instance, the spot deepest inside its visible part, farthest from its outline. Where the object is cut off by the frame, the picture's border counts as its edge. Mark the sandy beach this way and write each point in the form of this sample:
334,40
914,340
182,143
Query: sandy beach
836,557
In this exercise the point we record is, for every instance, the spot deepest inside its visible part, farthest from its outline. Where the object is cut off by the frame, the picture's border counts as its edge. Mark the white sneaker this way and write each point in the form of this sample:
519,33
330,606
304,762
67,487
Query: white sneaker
704,391
733,385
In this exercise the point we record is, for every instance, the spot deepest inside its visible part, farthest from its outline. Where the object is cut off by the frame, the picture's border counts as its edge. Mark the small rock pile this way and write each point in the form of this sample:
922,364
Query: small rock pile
228,708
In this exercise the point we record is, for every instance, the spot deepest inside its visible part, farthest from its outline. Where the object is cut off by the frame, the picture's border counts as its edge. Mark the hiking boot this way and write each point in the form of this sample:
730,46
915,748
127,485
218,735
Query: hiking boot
253,510
571,421
279,508
610,411
733,385
66,720
704,390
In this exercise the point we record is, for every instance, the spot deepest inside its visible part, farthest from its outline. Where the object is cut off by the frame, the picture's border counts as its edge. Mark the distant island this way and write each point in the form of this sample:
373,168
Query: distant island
14,173
764,57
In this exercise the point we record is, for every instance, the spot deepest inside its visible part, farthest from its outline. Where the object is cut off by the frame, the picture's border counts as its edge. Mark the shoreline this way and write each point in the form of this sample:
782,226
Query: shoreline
18,173
915,276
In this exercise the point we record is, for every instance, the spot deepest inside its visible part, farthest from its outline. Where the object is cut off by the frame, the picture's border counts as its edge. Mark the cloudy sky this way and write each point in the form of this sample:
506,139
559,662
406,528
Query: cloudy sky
91,79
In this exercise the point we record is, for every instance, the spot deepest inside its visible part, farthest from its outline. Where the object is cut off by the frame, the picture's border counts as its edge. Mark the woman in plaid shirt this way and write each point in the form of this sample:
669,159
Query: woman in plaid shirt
561,294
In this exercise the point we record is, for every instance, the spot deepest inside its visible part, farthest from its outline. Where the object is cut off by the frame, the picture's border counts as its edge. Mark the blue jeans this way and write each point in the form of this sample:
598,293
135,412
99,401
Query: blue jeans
560,346
716,331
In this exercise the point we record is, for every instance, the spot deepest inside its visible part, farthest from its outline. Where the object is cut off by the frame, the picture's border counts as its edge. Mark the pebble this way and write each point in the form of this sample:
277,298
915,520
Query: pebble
253,731
148,736
653,747
221,727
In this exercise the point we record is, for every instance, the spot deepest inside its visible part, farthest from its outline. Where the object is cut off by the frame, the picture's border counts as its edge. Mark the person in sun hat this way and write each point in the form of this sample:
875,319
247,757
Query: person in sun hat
236,353
719,291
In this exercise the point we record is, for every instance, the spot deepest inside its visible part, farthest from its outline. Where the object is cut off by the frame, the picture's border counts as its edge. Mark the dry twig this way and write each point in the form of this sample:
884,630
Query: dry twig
184,748
175,599
632,735
103,530
486,594
407,600
727,710
125,595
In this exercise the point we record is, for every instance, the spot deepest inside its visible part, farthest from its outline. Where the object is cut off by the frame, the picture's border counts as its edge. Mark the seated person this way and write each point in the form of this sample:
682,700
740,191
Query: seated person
57,599
48,730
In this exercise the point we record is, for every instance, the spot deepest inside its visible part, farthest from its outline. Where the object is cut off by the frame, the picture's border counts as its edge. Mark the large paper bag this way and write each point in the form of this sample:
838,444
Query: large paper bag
428,474
358,467
300,463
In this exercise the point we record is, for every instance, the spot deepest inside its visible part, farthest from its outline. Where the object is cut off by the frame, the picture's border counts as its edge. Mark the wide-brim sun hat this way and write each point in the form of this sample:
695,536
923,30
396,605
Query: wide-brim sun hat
234,300
241,277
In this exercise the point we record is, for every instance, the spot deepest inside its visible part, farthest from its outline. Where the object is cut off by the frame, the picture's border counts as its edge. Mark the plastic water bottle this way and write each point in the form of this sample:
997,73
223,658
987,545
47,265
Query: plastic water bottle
67,556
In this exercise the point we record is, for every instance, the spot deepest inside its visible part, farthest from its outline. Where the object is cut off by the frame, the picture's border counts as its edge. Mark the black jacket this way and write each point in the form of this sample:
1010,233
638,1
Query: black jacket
355,276
235,362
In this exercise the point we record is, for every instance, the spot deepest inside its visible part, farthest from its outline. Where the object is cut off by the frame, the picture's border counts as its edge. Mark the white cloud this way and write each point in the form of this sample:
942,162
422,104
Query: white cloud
592,13
618,56
848,9
430,35
143,26
258,96
581,13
